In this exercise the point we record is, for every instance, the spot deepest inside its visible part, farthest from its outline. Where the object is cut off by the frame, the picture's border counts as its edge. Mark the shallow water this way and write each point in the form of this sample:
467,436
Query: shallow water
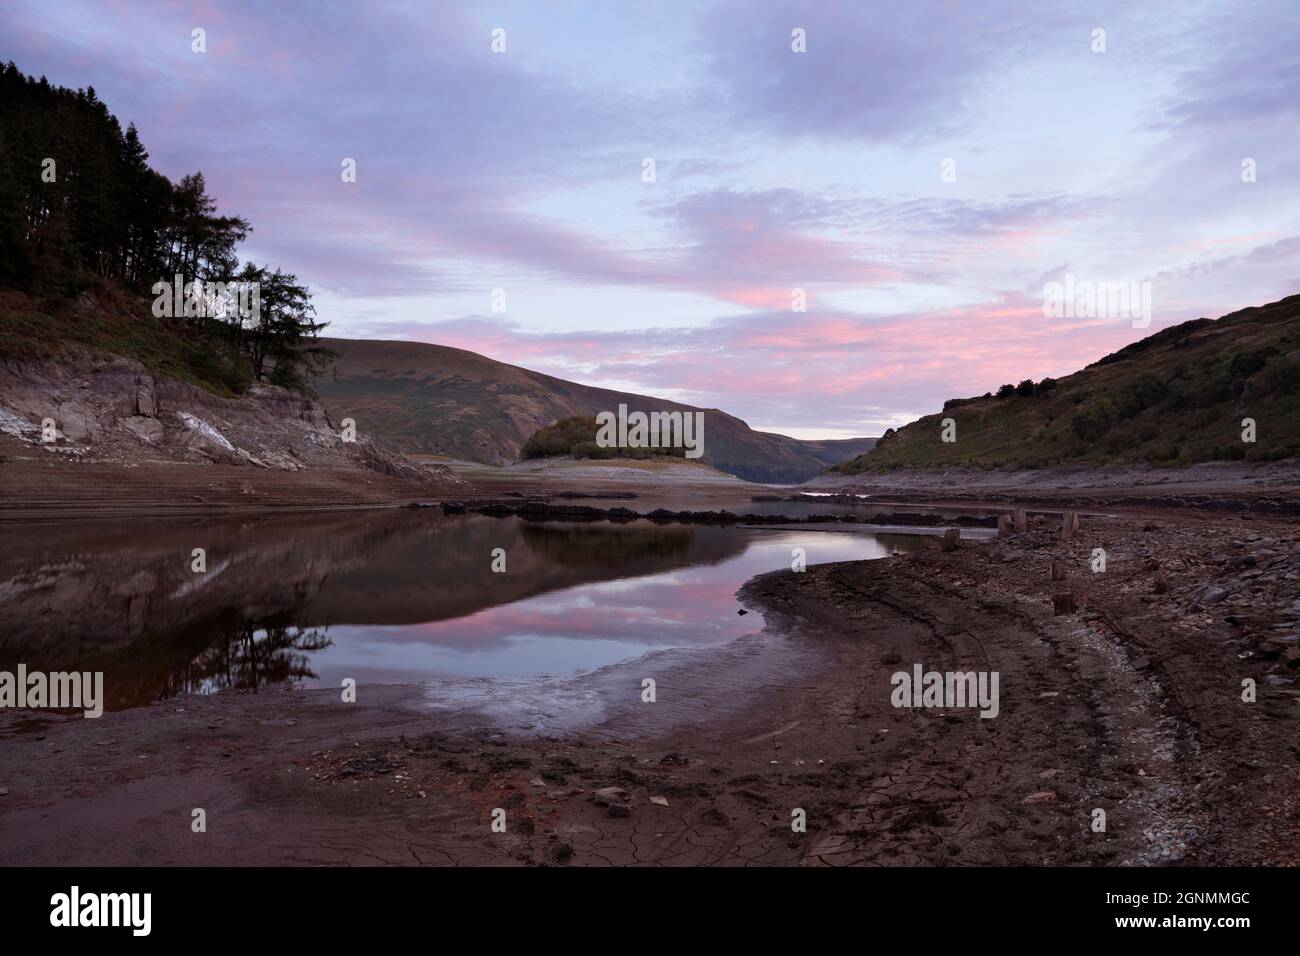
387,597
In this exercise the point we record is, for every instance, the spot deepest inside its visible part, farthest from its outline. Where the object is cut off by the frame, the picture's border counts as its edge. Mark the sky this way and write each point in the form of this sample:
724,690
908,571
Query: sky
628,194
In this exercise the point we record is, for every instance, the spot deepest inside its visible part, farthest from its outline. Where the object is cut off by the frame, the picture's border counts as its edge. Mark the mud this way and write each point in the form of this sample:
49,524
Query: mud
1131,705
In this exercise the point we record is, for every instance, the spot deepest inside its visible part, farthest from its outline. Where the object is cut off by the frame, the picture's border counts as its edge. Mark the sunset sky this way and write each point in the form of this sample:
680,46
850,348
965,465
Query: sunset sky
820,170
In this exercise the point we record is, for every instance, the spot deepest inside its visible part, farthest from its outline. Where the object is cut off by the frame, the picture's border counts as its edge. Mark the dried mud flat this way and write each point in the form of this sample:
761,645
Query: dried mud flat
1132,704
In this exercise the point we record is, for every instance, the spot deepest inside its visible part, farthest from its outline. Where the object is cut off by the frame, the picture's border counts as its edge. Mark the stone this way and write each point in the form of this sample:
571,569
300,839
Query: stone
144,400
1042,796
608,796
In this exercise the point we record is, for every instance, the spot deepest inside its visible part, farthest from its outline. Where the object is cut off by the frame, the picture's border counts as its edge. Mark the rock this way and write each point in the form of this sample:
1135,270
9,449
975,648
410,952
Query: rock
1042,796
148,430
1214,595
4,791
619,810
659,801
608,796
742,611
673,759
1018,521
1292,656
144,398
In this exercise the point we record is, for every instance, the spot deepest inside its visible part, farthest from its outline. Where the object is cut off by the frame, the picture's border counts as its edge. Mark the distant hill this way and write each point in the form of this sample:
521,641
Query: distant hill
1176,397
440,400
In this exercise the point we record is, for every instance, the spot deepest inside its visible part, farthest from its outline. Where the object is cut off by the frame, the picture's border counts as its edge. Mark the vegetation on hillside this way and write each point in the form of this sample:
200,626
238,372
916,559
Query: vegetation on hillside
86,224
32,329
576,436
1177,397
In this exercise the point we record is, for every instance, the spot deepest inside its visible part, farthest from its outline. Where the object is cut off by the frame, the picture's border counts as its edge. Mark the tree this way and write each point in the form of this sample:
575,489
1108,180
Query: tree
278,337
80,205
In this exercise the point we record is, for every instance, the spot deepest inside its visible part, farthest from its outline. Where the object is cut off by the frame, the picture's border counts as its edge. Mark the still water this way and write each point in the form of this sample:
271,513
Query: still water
387,597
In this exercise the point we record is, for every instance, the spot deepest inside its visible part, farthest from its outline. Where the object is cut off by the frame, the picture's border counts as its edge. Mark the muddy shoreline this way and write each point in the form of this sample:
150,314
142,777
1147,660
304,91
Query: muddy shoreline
1131,704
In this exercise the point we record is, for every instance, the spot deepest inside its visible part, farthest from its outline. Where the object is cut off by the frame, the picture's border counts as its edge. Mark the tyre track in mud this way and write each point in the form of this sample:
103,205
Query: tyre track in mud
1004,760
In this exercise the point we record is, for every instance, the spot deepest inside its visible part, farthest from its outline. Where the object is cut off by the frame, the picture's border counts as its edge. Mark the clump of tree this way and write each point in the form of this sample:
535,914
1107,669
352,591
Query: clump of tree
576,437
80,206
1026,388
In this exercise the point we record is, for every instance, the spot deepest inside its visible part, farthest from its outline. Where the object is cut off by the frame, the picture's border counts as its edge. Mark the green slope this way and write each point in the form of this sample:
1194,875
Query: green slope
1174,398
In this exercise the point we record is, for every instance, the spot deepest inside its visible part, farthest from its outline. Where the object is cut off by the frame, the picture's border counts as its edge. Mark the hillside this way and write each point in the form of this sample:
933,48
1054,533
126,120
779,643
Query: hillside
125,389
440,400
1174,398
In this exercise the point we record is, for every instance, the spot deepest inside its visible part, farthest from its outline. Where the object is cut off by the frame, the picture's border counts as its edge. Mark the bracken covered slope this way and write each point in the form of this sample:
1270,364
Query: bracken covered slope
1176,397
440,400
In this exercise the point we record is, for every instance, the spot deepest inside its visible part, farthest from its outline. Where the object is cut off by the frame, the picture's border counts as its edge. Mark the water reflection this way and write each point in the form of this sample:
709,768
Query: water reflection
261,654
377,596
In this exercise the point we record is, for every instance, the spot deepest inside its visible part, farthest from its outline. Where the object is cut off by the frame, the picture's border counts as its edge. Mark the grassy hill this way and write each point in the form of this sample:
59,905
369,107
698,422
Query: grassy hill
440,400
1174,398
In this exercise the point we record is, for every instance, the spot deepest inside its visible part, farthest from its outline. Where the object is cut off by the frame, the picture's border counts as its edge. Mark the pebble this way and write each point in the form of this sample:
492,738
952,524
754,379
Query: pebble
609,796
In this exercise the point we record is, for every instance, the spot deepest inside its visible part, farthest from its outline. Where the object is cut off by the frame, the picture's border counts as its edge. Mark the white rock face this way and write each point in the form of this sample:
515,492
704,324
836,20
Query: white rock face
17,426
202,428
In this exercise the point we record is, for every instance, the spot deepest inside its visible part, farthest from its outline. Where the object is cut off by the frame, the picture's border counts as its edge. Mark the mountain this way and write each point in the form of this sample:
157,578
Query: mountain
1176,397
446,401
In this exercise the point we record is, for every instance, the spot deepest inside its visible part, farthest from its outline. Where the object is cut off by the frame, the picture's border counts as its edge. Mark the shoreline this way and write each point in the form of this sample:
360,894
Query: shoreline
1129,705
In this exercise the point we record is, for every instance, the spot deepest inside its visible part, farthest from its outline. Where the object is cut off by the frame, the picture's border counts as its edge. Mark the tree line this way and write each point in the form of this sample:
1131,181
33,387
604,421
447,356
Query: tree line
79,203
